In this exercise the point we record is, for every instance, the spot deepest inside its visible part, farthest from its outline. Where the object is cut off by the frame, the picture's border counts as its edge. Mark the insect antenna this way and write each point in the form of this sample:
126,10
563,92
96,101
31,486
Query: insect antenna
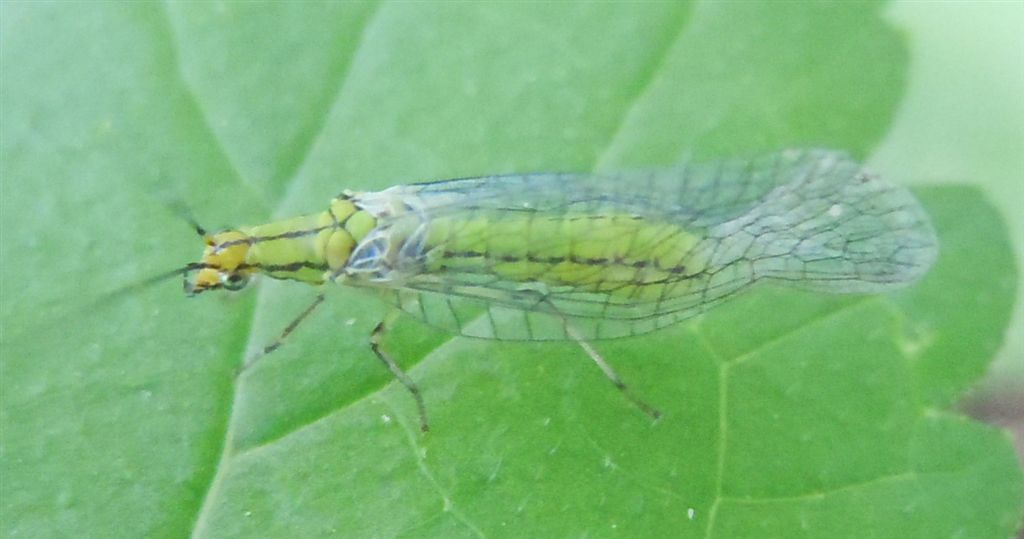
147,282
184,212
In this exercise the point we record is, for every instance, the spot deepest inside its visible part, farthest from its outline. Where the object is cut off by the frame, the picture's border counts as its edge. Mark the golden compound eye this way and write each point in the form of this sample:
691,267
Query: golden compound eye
233,281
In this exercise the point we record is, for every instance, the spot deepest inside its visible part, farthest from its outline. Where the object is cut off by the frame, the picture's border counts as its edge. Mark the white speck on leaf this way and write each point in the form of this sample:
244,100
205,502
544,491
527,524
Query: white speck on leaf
916,341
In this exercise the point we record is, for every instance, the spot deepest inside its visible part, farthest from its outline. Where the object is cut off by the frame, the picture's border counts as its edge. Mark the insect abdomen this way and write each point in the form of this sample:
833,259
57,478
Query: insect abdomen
614,254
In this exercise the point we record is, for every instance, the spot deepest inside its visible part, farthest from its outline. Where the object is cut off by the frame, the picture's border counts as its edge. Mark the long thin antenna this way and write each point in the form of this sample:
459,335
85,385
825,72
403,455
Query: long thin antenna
185,213
149,281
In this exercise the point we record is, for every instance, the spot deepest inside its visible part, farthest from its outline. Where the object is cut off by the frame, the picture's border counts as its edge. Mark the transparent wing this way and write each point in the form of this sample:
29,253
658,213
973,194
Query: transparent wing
812,219
689,194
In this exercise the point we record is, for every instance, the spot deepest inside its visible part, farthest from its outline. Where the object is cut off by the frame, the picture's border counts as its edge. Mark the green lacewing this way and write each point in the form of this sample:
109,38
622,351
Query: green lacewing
589,256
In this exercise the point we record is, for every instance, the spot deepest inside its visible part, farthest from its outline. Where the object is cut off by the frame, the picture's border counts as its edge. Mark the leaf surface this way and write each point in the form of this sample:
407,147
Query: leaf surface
785,413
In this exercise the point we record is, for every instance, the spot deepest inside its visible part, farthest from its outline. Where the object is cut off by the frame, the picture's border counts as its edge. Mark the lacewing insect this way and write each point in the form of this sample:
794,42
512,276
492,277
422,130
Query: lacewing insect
582,257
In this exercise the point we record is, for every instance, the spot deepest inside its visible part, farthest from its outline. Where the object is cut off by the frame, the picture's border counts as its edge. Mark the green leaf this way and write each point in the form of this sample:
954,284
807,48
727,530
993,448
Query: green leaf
785,413
954,129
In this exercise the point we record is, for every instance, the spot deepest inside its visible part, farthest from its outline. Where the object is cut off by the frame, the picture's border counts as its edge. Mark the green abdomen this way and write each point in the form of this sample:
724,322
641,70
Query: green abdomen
615,254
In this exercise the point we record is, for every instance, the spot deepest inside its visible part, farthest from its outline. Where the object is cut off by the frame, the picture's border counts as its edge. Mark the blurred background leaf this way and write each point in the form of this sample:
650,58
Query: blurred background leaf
963,121
785,413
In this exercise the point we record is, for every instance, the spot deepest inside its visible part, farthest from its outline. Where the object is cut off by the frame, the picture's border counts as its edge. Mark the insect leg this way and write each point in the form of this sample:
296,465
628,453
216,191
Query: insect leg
610,373
375,342
284,334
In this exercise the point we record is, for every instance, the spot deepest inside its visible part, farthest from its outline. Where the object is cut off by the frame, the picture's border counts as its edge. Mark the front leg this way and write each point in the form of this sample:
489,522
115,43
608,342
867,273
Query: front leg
270,348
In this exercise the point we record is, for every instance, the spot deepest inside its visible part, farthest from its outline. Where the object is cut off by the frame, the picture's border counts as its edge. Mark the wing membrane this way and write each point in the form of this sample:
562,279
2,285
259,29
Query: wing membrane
812,219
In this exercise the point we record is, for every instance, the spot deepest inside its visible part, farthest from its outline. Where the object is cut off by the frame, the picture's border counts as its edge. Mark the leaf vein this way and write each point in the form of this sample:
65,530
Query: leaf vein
316,131
421,464
200,111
